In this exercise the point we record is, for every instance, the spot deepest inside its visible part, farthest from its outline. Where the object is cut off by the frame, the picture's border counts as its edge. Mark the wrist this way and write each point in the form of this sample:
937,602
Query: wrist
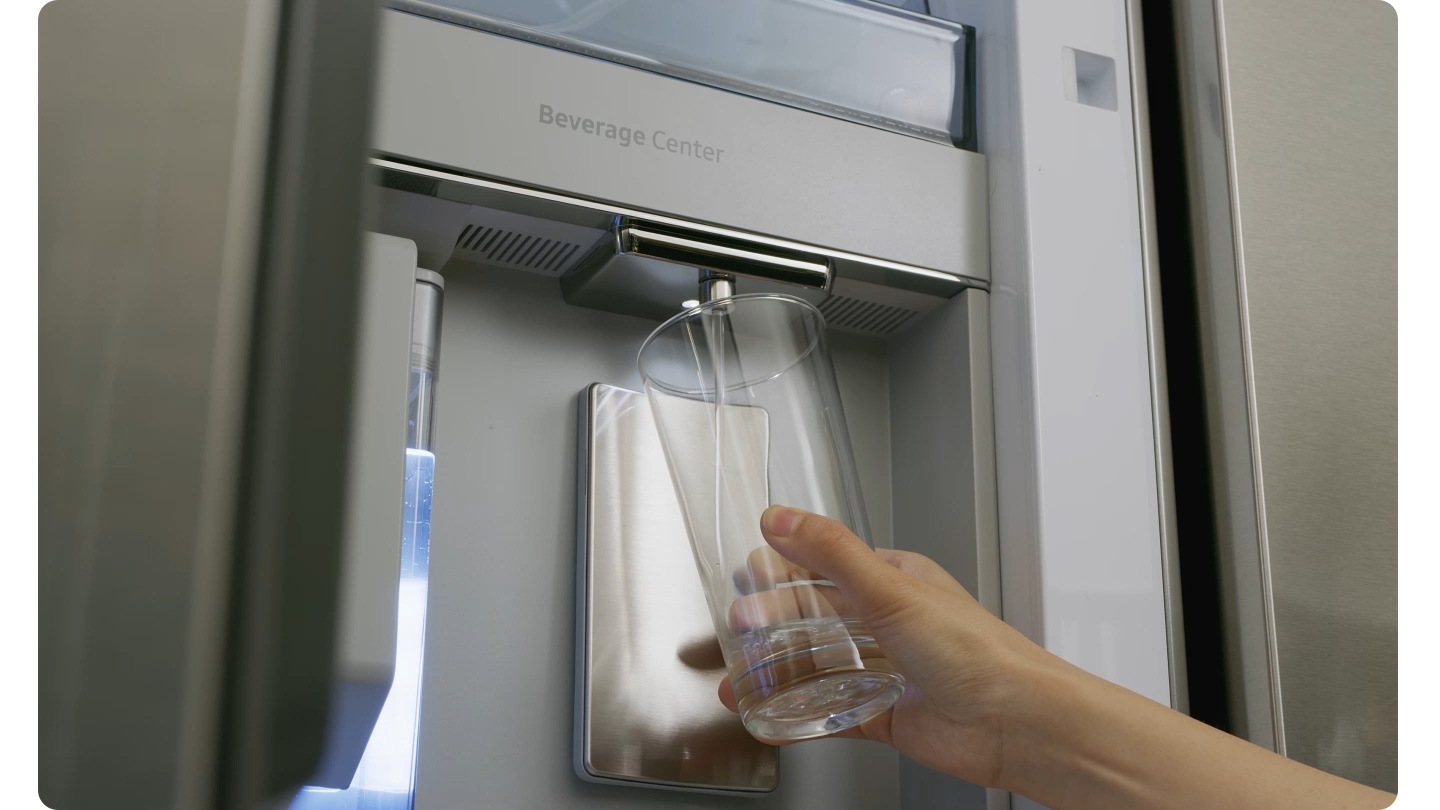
1053,712
1075,740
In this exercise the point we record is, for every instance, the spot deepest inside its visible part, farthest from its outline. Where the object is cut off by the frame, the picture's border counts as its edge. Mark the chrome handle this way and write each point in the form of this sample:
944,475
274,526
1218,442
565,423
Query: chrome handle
722,255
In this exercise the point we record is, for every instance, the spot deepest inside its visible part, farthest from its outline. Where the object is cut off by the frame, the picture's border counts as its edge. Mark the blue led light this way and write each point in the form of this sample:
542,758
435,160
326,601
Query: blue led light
385,778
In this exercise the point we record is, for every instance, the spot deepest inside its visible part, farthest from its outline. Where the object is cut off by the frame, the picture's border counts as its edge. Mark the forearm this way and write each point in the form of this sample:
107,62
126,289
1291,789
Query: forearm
1078,742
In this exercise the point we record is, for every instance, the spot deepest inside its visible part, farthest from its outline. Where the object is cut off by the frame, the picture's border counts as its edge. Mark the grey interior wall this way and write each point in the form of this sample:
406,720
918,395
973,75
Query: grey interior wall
942,434
496,722
862,369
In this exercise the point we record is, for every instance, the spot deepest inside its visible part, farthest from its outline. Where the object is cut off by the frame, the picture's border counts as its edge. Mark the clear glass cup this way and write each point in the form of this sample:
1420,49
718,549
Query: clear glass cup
745,400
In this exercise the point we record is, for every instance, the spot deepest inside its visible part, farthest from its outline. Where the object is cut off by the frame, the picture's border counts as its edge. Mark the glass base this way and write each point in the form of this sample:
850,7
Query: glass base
823,705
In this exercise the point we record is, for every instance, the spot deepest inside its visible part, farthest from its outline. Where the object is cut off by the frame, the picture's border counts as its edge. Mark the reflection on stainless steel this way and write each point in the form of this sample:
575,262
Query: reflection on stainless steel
647,662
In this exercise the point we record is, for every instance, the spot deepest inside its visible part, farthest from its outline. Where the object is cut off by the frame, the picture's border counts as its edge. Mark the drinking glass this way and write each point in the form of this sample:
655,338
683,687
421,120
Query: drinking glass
744,397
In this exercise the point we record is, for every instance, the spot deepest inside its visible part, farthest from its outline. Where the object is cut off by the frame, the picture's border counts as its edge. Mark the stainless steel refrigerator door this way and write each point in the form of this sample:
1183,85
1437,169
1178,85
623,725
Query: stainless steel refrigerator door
1290,128
199,200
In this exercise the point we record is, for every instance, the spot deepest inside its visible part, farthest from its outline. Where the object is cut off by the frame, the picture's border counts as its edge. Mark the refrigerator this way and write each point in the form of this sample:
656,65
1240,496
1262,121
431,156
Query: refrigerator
1110,288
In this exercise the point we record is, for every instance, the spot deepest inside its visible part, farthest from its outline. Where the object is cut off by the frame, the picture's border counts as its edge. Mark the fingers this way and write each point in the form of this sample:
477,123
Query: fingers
804,595
876,590
776,590
727,695
757,610
764,569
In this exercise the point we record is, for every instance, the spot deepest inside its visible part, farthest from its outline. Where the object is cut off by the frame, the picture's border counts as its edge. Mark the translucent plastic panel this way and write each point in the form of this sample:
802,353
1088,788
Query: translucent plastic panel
385,778
862,61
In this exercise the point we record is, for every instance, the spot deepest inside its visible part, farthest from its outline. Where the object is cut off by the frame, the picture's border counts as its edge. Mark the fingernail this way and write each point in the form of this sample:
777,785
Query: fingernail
781,521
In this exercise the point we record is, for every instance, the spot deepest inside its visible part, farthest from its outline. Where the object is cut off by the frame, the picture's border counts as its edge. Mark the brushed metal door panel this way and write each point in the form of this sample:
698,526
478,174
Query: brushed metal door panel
1313,132
647,659
1292,148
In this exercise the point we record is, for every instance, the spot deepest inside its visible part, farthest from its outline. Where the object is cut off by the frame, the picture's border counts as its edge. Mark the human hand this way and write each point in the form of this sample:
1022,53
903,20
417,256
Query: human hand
963,666
985,704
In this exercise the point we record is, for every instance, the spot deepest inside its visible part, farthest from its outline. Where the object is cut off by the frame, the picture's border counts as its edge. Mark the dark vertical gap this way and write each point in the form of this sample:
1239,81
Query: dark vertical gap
1194,511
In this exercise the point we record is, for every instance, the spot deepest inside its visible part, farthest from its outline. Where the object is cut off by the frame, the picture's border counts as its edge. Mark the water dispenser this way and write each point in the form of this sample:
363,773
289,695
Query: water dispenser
571,208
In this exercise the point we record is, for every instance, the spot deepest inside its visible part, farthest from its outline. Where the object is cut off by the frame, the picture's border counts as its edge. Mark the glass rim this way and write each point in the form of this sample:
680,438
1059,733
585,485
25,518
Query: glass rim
648,380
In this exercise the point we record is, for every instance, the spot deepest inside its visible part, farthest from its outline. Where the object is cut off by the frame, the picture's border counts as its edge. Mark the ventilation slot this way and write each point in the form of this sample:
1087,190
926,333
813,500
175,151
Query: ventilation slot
864,316
518,250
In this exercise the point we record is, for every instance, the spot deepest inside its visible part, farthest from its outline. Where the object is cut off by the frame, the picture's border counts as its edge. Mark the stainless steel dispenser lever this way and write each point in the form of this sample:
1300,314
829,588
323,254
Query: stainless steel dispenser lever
648,268
722,254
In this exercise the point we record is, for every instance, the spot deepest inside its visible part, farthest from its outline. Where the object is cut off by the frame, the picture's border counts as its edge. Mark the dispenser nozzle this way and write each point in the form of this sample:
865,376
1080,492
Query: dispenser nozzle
714,286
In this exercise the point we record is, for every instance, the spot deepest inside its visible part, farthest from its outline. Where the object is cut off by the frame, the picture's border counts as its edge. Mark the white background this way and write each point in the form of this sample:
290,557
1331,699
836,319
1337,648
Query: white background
1419,402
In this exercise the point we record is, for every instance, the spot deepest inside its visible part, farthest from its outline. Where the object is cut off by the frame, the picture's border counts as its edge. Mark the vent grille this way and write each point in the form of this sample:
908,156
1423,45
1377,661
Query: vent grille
514,249
864,316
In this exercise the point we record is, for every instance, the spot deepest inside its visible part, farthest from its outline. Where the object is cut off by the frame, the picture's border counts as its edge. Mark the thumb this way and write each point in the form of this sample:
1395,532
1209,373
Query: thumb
875,588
